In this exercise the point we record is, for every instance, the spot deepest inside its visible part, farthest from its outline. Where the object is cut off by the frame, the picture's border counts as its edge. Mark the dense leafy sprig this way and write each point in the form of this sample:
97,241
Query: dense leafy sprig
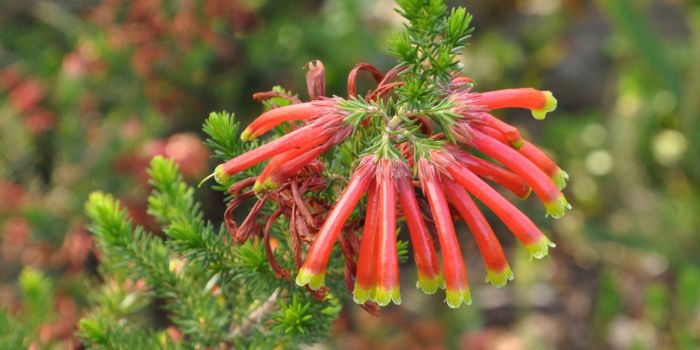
212,287
429,50
223,131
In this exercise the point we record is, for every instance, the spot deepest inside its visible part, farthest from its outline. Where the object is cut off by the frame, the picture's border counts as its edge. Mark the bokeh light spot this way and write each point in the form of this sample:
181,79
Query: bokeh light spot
599,162
593,135
668,147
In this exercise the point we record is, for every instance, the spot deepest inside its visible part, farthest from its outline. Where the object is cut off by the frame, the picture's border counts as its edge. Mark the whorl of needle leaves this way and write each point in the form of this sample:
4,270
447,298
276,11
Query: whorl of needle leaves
211,291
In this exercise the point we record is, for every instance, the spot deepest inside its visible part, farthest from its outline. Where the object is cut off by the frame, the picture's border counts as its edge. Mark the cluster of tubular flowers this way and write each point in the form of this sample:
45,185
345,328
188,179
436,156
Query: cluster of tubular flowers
288,154
449,178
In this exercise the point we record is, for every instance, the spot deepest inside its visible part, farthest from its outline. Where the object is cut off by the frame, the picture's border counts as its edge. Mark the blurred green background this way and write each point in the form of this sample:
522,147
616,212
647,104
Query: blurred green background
90,91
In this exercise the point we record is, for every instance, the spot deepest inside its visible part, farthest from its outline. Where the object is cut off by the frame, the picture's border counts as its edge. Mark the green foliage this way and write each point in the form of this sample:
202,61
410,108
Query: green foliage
211,288
428,59
278,101
135,254
294,319
172,203
223,131
36,294
99,333
402,250
13,334
429,50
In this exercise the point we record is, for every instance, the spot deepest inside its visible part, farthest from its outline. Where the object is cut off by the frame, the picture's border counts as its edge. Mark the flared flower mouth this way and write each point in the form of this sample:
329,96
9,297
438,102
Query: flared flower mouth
423,152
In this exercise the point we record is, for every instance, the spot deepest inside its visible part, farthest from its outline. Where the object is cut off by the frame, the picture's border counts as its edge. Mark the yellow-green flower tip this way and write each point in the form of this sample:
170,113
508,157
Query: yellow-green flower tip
455,298
549,106
263,186
314,280
270,185
258,186
384,296
429,285
499,279
557,208
517,144
361,294
560,178
220,176
246,135
540,249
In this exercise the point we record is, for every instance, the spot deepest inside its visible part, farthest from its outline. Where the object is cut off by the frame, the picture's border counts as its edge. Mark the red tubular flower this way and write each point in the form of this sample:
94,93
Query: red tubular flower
526,231
498,272
508,131
402,140
268,120
313,271
387,257
311,135
285,165
492,172
539,158
536,156
554,201
366,278
456,279
539,102
423,248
